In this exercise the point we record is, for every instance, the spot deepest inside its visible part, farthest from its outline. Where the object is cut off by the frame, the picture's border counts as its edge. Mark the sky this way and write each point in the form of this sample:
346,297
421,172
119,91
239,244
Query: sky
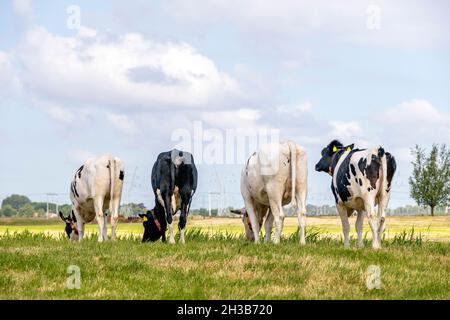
80,79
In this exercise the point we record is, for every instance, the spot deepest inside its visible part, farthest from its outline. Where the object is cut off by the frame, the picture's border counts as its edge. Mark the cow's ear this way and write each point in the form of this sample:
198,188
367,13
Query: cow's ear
62,217
74,217
238,212
350,147
142,215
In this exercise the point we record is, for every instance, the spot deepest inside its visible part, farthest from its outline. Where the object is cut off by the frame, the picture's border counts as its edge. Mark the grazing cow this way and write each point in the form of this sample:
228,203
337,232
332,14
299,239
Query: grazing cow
174,182
96,187
275,176
361,180
261,215
71,225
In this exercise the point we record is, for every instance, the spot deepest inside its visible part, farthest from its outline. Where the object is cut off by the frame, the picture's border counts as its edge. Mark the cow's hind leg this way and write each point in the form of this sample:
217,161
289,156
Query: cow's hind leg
183,217
374,224
359,228
278,216
100,215
114,218
302,217
80,225
105,228
382,215
345,225
268,226
251,211
169,216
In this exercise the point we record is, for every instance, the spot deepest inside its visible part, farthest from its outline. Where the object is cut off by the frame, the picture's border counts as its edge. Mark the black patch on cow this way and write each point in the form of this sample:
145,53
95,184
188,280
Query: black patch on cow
360,182
353,169
356,180
74,189
79,172
372,171
122,175
334,193
343,177
391,168
368,189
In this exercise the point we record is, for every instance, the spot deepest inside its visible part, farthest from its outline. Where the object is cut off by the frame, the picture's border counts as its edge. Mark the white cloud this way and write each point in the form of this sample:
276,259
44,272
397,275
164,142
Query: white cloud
345,130
123,124
129,72
294,110
79,156
241,118
413,122
403,23
9,83
23,8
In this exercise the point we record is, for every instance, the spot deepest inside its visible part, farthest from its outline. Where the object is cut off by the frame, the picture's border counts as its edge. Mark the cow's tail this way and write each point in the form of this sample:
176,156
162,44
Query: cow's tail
383,173
112,172
293,151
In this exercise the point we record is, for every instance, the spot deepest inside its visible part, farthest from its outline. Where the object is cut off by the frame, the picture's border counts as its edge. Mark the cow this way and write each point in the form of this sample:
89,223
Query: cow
95,188
361,180
174,183
71,225
261,215
273,177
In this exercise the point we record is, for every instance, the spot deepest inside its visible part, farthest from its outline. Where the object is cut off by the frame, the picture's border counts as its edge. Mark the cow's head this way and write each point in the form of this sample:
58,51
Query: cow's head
330,156
152,227
247,224
71,226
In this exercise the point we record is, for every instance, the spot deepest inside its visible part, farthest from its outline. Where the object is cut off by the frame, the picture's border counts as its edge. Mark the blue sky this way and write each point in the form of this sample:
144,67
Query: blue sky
130,74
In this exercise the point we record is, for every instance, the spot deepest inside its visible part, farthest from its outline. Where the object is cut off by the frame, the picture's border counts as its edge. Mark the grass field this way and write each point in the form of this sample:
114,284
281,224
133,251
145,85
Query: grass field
217,263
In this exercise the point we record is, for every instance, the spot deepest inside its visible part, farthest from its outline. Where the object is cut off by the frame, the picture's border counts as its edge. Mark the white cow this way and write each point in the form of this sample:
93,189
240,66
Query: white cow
275,176
96,187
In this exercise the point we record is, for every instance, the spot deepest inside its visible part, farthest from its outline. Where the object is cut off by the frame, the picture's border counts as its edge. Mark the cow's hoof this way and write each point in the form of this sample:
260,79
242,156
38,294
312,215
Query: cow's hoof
172,241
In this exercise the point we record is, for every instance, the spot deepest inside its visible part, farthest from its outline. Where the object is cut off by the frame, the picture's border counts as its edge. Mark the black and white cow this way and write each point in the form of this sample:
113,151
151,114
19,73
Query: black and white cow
95,188
362,179
174,182
71,225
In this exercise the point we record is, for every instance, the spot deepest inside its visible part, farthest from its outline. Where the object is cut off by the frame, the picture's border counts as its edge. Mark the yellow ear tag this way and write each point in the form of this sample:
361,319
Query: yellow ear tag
335,149
145,219
349,149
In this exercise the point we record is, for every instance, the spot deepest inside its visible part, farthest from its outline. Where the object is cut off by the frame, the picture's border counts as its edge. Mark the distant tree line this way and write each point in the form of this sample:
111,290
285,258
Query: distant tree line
21,206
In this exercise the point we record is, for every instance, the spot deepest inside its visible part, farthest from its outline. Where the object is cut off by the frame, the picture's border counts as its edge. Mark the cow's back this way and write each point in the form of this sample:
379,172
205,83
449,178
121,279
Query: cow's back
358,177
269,170
94,180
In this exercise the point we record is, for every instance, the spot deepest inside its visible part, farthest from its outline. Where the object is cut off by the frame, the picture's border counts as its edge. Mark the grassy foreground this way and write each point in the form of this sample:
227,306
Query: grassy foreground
220,266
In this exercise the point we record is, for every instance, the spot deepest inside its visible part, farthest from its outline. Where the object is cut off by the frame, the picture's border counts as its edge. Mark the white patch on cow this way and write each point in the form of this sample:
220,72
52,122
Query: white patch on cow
183,236
176,200
160,199
171,237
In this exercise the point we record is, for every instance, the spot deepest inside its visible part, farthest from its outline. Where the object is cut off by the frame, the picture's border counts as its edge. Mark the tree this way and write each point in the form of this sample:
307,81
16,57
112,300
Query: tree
16,201
26,211
8,211
430,180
